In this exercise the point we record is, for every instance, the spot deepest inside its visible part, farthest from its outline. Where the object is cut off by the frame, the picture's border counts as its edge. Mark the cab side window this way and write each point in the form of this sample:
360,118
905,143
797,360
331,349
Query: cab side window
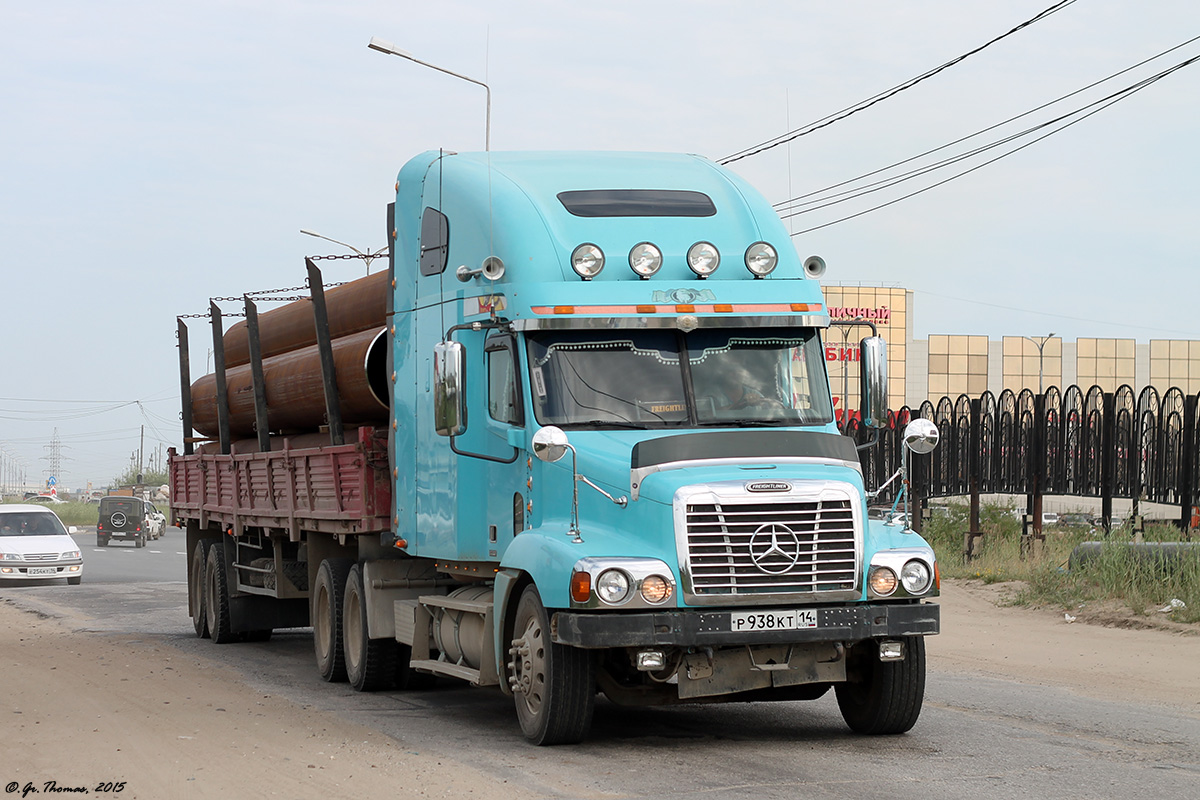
504,397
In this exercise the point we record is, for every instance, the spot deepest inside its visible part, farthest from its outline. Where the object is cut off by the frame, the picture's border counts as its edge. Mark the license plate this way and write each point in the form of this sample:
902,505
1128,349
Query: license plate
41,571
772,620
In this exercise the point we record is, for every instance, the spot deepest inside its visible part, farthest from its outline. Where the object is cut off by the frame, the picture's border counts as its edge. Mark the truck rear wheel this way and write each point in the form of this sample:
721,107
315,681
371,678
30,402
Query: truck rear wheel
196,583
554,686
328,599
216,597
370,663
886,696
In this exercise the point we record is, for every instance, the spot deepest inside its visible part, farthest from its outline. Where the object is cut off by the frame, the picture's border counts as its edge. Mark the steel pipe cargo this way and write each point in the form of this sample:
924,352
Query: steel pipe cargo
294,393
353,307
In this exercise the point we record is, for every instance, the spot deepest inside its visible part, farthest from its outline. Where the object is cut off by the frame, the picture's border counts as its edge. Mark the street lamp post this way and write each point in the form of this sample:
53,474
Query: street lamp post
387,47
1040,346
367,257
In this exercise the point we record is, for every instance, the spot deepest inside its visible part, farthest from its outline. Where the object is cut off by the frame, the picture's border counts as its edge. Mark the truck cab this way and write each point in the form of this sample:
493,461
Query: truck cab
610,408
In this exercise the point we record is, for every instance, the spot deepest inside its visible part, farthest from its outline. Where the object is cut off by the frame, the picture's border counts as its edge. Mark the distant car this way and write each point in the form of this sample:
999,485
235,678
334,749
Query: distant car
1049,518
44,498
127,518
34,545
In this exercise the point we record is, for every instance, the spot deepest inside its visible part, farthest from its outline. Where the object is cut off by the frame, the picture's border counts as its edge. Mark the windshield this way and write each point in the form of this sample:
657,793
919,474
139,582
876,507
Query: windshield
658,378
31,524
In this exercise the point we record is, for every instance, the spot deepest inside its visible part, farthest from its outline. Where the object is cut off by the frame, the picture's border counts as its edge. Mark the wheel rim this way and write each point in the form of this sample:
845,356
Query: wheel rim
529,666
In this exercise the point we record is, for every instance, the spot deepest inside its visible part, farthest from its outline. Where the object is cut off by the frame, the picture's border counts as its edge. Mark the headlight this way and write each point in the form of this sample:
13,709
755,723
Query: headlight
71,554
761,259
587,260
915,577
655,589
612,586
11,557
703,258
645,259
883,581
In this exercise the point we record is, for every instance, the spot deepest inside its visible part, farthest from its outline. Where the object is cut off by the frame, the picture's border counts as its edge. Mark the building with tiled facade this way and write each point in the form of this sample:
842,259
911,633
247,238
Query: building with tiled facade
954,364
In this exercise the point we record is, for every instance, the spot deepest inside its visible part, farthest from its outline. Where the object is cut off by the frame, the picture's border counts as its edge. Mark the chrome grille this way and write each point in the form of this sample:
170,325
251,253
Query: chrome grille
749,545
41,557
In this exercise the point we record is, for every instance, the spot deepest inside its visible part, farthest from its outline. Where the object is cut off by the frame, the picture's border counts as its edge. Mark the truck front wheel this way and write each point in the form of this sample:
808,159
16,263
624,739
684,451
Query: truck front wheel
370,663
883,697
554,685
328,597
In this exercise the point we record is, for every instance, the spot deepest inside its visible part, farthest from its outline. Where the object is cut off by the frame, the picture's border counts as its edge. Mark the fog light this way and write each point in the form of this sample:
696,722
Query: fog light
655,589
651,660
703,258
891,651
74,568
6,570
587,260
645,259
883,581
761,259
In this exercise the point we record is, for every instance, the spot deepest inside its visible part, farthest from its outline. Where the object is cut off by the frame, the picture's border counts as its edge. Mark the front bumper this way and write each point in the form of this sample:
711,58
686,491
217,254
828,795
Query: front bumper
19,571
695,628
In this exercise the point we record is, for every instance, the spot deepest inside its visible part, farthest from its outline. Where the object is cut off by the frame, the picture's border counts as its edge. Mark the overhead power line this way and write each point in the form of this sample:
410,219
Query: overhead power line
825,122
1095,108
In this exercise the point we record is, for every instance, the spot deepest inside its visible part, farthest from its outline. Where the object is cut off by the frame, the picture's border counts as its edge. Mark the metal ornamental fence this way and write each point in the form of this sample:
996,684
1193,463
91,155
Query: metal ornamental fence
1077,442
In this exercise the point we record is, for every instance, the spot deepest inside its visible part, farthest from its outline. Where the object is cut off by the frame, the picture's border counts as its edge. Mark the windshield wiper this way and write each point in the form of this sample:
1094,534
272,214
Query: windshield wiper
604,424
747,423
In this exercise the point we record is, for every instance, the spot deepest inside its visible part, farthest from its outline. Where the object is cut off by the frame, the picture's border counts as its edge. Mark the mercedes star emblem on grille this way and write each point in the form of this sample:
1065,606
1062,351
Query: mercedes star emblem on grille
774,548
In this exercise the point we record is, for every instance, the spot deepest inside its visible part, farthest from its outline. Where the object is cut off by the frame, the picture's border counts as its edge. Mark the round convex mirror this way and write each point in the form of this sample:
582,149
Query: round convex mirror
550,443
921,436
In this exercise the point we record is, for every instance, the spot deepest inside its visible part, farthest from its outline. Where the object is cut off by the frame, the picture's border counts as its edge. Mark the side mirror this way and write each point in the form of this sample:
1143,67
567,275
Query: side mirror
873,381
921,436
550,443
449,398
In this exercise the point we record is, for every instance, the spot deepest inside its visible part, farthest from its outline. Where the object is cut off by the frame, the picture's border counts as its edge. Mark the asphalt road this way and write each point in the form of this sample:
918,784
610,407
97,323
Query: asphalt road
976,736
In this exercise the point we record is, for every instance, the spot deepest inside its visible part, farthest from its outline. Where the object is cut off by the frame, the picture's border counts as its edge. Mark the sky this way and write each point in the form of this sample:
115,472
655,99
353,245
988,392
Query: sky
154,155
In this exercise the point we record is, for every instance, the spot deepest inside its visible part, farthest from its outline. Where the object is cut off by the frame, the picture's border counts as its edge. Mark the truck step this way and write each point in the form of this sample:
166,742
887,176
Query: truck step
472,676
480,607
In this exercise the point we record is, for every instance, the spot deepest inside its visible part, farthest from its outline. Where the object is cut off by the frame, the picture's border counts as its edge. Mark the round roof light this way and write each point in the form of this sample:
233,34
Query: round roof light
761,259
645,259
703,258
587,260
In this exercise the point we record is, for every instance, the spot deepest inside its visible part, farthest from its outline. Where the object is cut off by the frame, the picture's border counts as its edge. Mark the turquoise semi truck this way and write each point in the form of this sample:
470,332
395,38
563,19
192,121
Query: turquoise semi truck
578,440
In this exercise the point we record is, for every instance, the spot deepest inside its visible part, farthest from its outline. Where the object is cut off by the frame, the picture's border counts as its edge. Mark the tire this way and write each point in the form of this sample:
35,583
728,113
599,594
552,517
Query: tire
216,597
197,580
101,541
75,581
328,598
886,697
370,663
554,686
139,540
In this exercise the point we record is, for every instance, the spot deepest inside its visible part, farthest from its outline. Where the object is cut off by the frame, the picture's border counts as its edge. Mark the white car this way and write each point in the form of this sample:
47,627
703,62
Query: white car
34,545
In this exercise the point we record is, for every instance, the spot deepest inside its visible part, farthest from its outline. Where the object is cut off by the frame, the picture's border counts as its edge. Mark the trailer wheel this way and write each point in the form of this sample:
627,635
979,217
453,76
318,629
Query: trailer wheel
216,597
554,686
370,663
196,583
886,696
328,598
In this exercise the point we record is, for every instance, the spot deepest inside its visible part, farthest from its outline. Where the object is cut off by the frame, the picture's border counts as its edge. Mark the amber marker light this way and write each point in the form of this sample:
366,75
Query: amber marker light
655,589
581,587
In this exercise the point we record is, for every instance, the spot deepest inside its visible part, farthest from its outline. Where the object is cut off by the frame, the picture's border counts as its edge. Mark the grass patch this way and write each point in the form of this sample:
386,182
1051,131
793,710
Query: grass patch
1143,585
74,513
